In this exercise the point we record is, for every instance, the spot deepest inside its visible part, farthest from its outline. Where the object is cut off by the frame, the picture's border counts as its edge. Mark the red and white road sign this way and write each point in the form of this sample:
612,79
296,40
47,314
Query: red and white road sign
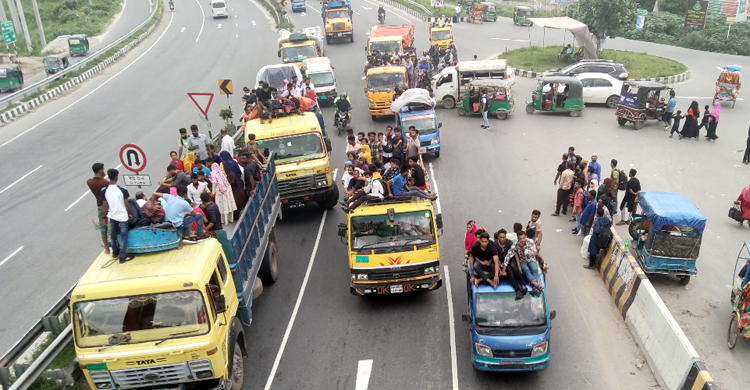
133,158
203,111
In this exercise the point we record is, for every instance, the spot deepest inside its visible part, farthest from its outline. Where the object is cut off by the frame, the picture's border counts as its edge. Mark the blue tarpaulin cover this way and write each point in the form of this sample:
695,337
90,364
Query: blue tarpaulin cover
669,208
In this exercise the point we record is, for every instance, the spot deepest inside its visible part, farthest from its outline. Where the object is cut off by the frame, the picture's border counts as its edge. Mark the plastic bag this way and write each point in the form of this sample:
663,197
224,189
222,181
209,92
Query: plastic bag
585,247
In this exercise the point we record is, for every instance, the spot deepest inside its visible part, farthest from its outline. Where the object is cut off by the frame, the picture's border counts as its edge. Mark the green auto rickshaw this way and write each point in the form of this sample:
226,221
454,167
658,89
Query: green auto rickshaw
557,94
522,14
502,105
11,77
78,44
55,63
490,13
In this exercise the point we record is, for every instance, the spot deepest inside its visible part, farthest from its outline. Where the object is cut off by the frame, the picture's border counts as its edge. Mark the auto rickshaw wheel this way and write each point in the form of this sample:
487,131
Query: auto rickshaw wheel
529,108
638,124
575,113
449,102
502,115
684,280
733,333
461,112
622,121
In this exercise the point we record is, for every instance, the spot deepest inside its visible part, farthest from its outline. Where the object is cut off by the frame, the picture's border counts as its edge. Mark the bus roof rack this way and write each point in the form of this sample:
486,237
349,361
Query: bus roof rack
396,200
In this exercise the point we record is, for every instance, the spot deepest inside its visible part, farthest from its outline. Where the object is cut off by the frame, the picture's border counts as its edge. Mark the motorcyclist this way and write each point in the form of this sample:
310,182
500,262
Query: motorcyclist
425,65
381,12
342,103
171,5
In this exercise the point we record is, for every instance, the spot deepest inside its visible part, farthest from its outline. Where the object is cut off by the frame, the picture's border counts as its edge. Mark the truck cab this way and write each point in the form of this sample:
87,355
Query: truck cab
338,21
387,39
295,47
320,72
426,124
508,334
392,246
441,36
447,85
380,82
303,167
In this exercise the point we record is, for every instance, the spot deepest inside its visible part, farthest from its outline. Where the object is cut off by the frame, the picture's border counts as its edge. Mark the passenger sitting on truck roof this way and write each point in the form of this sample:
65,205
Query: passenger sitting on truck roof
355,183
525,253
398,187
484,262
373,189
179,213
264,101
176,177
290,100
211,210
531,238
510,265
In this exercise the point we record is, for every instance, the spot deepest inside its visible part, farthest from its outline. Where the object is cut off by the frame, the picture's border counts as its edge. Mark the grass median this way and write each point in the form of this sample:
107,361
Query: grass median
639,65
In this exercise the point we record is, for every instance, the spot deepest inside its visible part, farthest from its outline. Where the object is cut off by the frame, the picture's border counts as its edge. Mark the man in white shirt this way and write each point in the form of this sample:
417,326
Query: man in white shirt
140,198
118,214
195,189
458,13
372,190
227,142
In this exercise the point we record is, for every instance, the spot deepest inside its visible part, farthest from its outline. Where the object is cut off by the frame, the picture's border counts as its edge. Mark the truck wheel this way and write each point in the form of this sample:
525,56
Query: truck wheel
449,102
332,200
437,154
237,368
351,37
373,117
685,280
328,39
269,271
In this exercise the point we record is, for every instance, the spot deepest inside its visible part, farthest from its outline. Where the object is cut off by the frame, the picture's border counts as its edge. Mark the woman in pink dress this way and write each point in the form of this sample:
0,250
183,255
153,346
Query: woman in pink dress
744,201
223,194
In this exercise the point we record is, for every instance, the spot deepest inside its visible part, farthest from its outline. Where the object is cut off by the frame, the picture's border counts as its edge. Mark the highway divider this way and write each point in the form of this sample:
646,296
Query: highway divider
84,65
674,361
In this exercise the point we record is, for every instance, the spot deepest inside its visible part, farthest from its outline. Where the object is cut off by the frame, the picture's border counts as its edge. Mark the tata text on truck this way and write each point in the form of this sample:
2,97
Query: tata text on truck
338,21
173,316
393,246
294,47
415,108
448,83
303,165
380,82
387,39
508,334
320,72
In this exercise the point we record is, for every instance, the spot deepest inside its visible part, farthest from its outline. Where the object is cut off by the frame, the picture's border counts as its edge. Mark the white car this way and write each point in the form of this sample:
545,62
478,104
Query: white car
600,88
219,9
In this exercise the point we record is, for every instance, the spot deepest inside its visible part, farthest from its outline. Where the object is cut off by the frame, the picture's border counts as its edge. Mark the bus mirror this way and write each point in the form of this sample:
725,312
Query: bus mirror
220,303
342,230
465,317
439,221
552,314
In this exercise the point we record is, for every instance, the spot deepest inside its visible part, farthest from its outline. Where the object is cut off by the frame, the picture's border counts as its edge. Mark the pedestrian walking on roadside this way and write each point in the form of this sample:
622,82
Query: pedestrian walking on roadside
486,103
746,157
704,120
676,118
667,118
713,121
602,222
631,198
690,129
566,183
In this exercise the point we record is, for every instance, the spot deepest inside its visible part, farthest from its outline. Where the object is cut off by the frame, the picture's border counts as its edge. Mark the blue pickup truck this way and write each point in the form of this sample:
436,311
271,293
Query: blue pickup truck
508,334
299,6
425,121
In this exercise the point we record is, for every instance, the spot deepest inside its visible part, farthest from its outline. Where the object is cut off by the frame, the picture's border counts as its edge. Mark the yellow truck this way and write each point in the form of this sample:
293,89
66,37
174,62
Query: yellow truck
295,47
338,22
393,246
303,165
380,84
441,36
172,318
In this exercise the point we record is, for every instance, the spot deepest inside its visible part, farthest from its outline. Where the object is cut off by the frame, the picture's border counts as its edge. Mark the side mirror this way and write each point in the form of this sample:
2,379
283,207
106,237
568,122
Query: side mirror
278,53
220,303
440,125
552,314
465,318
342,230
439,221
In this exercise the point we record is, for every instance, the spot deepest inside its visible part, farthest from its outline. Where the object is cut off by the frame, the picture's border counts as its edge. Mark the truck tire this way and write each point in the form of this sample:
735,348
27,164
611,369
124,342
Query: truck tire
328,39
449,102
269,270
351,37
332,200
237,367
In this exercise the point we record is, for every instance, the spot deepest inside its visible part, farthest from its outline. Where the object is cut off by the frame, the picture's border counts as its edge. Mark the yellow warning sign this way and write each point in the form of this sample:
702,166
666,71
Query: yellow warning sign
225,87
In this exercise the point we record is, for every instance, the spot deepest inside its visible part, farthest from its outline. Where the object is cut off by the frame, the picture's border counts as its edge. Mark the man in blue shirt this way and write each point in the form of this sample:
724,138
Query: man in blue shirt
596,165
199,166
587,218
398,187
178,212
669,111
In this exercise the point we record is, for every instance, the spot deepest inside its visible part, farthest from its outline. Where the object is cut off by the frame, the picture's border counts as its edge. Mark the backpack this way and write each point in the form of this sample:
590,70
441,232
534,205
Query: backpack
622,181
604,236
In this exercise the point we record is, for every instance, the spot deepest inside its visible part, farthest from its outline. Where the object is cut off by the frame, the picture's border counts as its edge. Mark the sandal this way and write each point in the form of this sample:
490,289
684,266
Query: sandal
588,266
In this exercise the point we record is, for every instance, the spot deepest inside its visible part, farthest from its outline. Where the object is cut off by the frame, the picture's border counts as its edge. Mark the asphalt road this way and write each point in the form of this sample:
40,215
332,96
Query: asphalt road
495,177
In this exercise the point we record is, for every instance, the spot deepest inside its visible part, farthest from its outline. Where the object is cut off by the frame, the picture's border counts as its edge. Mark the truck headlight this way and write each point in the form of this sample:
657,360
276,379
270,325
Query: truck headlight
361,276
435,141
321,183
429,270
370,104
102,379
540,349
483,350
328,29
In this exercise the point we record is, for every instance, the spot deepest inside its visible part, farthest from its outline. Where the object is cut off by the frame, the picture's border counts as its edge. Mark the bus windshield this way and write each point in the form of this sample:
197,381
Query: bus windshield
377,231
504,311
294,147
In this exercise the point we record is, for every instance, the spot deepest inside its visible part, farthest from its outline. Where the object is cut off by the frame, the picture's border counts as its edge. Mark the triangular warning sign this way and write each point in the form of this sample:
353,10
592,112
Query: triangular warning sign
210,96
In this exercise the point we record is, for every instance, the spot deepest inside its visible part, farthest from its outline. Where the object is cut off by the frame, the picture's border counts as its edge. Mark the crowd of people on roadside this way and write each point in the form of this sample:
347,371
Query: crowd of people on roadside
383,165
512,255
691,128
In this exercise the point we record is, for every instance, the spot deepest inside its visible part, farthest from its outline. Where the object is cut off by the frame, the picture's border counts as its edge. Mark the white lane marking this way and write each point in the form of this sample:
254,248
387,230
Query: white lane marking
236,35
95,89
314,9
366,8
86,193
361,14
253,23
335,173
451,322
395,11
364,368
434,184
182,30
219,25
719,68
22,177
18,250
203,21
304,14
289,326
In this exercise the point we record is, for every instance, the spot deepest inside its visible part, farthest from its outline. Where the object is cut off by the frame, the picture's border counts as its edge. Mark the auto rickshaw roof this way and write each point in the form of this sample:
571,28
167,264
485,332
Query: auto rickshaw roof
10,66
647,84
57,56
576,88
523,8
494,83
77,36
670,208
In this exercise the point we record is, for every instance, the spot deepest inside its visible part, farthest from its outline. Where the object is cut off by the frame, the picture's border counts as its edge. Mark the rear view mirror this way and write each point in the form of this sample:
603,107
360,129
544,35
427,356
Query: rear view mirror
278,53
220,303
440,125
342,230
465,318
552,314
439,221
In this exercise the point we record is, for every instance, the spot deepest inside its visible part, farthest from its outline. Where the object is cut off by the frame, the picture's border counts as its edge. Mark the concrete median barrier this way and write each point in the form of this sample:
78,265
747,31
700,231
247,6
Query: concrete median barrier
674,361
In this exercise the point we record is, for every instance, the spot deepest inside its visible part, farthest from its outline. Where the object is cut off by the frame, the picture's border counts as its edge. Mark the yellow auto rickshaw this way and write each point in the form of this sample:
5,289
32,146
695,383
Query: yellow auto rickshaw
55,63
11,77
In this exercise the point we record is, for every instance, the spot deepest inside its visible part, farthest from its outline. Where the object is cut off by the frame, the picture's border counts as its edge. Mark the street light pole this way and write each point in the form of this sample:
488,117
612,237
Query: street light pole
39,24
21,16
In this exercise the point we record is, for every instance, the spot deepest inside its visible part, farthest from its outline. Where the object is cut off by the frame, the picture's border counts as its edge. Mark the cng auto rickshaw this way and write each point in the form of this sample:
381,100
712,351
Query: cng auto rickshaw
502,104
78,44
739,323
668,234
55,63
641,101
490,13
521,16
557,94
11,77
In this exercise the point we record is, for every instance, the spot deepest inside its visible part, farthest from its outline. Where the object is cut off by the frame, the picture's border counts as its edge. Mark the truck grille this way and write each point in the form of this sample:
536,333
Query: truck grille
339,27
409,271
426,143
386,105
149,376
296,184
511,353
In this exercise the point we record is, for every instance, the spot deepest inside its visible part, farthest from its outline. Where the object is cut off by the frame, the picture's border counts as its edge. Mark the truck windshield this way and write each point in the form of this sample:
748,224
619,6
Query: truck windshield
385,81
425,124
324,79
441,35
377,231
297,53
144,317
339,13
385,46
502,310
294,147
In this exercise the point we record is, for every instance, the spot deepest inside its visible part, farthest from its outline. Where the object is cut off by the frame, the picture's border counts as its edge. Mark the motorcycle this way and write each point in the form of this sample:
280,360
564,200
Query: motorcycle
341,120
171,7
424,79
381,18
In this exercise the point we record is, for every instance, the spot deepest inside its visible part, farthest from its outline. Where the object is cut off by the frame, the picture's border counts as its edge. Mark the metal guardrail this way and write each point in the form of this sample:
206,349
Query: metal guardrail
50,322
12,98
420,6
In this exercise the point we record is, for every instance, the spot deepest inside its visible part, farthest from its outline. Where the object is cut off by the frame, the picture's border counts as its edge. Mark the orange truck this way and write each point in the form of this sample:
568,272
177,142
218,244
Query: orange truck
390,38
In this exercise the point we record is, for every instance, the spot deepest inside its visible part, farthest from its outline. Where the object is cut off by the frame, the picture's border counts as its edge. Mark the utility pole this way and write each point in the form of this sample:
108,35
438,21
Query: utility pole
3,18
23,24
39,24
13,14
656,6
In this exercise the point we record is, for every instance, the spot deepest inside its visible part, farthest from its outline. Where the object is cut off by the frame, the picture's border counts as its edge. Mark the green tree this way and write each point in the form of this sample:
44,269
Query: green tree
677,7
606,18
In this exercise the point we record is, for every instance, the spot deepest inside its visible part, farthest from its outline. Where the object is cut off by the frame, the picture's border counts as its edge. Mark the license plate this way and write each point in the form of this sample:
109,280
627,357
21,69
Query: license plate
324,97
422,150
397,289
511,362
388,112
339,35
